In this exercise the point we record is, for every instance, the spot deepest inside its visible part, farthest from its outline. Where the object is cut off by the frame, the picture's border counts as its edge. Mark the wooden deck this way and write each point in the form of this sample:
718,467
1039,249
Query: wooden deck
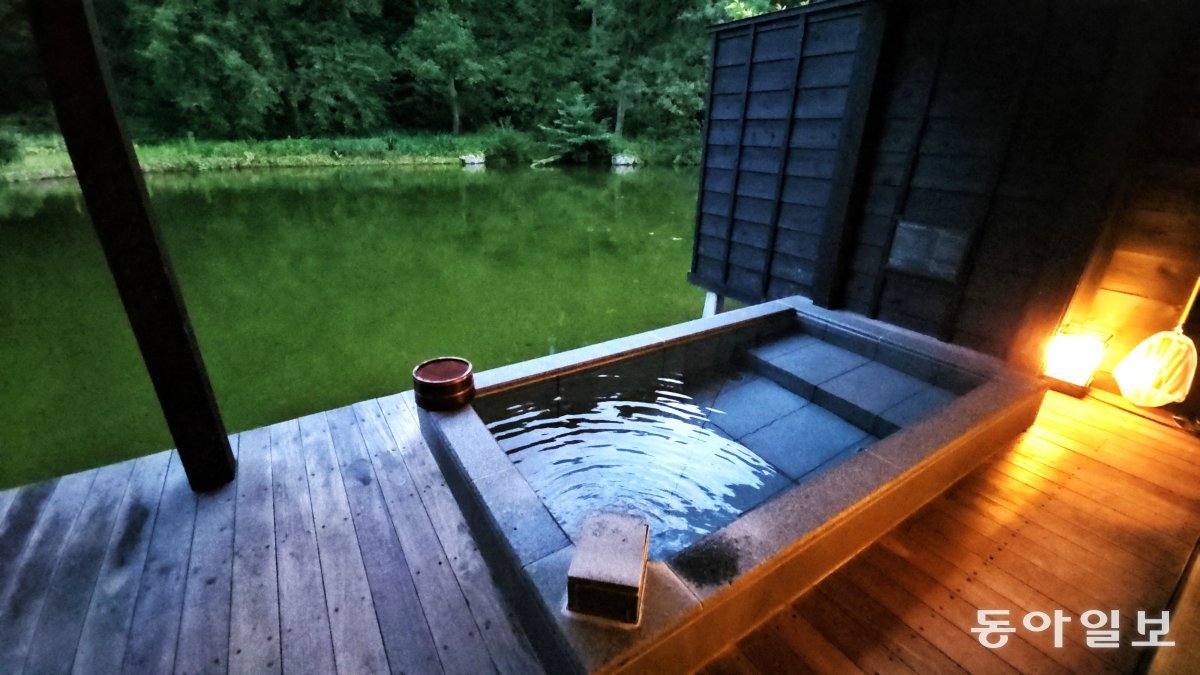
337,549
1092,509
340,549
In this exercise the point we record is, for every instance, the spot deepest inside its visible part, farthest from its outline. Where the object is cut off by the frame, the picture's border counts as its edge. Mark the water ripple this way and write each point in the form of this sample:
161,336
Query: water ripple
654,458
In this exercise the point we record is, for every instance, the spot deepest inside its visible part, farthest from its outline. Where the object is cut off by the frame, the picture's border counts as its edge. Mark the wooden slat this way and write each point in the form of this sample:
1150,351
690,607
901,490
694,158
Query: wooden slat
989,588
28,580
1100,553
505,641
870,649
772,656
254,644
18,524
818,653
303,618
446,608
357,643
730,662
156,616
958,645
6,500
406,635
203,645
60,621
1172,520
1018,653
106,627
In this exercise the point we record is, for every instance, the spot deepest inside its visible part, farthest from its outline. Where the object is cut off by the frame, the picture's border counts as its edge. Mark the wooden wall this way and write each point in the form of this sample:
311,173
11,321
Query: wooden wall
1141,275
983,120
1003,128
779,125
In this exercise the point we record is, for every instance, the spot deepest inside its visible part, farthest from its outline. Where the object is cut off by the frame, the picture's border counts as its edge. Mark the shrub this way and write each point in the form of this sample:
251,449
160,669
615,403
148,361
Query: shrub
508,147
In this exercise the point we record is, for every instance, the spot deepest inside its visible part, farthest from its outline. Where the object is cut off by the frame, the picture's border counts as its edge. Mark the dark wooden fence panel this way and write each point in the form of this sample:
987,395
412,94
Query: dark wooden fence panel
983,112
776,146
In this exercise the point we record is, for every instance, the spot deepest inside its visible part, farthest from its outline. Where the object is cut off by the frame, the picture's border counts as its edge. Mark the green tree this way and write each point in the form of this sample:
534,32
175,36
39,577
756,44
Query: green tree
440,53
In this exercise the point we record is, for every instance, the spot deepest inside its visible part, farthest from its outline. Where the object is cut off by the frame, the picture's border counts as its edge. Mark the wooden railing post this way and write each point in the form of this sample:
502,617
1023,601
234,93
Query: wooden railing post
116,198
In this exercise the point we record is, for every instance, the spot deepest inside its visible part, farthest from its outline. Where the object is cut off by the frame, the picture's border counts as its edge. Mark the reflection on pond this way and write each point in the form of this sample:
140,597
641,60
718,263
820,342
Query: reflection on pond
314,289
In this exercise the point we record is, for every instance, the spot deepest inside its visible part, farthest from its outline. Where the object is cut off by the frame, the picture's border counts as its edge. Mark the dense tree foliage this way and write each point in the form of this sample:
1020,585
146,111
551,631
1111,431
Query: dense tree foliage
277,68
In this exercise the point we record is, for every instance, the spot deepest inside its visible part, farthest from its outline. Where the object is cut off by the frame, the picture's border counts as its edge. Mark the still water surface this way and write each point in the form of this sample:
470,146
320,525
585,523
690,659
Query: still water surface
311,290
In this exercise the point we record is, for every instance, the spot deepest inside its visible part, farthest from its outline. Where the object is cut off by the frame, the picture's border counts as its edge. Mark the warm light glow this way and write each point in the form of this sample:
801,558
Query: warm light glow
1159,370
1073,357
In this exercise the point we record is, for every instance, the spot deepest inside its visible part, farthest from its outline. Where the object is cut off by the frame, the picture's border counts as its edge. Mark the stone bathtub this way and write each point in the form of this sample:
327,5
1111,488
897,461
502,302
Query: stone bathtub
839,426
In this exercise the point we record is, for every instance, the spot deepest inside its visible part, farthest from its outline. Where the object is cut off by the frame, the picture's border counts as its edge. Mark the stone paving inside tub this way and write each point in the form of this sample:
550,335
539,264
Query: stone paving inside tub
691,456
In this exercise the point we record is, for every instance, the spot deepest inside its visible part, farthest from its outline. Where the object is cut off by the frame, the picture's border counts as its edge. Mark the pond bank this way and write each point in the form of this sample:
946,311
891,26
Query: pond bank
45,156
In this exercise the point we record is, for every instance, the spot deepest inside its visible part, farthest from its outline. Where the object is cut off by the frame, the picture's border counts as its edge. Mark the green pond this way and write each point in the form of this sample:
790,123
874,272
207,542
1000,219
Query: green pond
310,290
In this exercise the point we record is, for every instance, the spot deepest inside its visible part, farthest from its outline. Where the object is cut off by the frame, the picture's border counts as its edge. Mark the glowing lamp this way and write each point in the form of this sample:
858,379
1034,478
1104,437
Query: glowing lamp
1074,354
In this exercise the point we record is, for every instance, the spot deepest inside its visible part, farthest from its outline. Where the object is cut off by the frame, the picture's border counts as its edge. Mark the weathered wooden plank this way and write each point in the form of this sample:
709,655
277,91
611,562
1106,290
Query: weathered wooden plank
1020,486
1174,520
959,646
6,500
869,649
357,642
1052,526
28,578
156,616
961,614
60,621
106,628
818,653
307,643
1097,469
1167,451
1074,470
880,626
1066,591
1040,551
730,662
254,644
772,656
18,524
505,641
446,608
203,645
406,637
987,587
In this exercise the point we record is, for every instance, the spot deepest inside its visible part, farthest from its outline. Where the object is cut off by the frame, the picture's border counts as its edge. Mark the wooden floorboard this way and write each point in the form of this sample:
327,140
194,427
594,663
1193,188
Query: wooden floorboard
357,641
28,580
106,625
254,644
338,549
504,640
406,637
60,621
154,633
1092,508
203,642
303,617
447,610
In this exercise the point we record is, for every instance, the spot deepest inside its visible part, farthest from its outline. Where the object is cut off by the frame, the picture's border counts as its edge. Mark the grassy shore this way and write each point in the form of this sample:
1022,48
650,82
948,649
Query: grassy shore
45,156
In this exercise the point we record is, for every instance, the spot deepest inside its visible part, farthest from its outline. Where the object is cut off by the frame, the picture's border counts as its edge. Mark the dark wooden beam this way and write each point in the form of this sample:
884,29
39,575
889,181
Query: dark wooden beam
836,245
116,198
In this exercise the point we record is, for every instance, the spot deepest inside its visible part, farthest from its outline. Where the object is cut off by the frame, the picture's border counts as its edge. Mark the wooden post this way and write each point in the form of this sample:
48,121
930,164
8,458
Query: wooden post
116,198
714,304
